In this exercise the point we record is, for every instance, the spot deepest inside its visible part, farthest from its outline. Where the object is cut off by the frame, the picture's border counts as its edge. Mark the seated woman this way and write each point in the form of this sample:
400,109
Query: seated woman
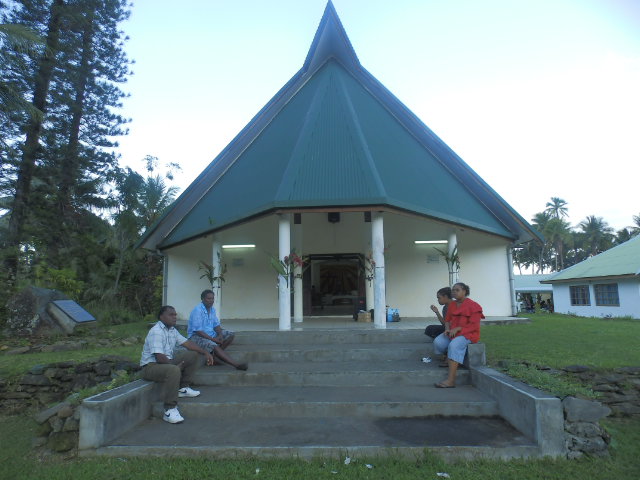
462,327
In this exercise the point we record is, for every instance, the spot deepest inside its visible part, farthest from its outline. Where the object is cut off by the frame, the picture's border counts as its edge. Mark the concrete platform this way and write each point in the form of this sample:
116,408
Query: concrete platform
332,391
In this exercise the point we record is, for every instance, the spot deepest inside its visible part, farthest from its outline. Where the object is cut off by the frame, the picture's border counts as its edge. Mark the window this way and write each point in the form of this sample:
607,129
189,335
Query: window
607,294
579,295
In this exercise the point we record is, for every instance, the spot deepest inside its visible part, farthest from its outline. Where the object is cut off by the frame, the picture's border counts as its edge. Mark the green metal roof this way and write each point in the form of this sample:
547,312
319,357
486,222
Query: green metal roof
622,260
334,136
531,283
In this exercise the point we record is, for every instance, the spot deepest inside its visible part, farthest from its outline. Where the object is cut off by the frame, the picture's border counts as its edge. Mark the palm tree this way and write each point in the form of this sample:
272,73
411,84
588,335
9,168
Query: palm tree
558,234
539,221
557,208
635,229
597,235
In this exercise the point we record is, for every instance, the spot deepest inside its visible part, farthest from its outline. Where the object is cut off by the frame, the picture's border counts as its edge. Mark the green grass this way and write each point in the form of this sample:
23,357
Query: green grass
18,462
557,341
551,340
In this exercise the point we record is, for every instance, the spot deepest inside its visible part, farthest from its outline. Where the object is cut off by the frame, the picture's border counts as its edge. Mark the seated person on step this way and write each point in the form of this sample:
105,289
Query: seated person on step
205,331
444,298
174,371
462,327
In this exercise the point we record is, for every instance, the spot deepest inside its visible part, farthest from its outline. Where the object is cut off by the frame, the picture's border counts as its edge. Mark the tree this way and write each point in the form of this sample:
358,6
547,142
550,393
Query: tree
558,234
67,158
44,74
557,208
596,235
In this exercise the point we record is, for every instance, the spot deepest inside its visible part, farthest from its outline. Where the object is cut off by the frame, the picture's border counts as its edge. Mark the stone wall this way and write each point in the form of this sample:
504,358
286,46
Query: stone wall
583,433
619,389
44,385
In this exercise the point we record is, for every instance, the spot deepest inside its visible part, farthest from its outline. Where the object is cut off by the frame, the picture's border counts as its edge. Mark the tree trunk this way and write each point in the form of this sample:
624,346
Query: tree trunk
69,166
34,127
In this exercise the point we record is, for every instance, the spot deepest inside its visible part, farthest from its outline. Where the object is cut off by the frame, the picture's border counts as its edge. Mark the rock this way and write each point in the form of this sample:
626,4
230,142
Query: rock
27,312
37,369
588,445
584,429
15,395
626,409
18,351
71,425
65,411
44,430
102,368
56,424
35,380
629,370
604,388
62,441
39,442
579,410
576,368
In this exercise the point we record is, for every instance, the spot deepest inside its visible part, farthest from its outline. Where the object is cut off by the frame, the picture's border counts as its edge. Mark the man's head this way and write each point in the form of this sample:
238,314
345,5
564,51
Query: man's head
168,316
207,297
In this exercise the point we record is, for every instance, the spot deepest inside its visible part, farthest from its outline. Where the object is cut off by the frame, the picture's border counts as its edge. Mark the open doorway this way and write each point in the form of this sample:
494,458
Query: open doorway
334,285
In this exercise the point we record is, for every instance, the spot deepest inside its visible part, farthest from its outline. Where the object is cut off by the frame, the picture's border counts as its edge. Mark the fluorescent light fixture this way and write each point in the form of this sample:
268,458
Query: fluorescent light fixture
431,242
248,245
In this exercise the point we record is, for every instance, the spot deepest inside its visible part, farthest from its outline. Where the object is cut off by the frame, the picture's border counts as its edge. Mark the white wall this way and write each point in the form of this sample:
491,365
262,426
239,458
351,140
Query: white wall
413,272
628,293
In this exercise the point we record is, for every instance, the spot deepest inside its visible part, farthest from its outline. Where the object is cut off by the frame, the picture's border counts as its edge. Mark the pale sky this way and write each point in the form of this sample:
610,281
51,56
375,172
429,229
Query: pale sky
540,97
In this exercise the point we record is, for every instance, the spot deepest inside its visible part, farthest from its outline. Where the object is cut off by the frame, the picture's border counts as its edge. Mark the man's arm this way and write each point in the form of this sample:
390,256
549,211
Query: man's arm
217,339
192,346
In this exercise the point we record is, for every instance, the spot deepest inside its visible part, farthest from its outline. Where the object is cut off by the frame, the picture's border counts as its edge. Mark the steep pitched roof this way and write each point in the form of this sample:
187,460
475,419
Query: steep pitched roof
620,261
334,136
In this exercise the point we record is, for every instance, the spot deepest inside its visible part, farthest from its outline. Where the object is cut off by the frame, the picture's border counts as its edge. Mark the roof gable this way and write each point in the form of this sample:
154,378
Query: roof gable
622,260
335,136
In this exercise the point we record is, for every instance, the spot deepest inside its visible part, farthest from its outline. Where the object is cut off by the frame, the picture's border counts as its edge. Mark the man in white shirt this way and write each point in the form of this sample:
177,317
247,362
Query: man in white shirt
175,371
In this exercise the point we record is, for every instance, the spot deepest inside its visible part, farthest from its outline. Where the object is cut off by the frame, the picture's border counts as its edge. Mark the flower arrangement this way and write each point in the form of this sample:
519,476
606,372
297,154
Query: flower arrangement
285,267
369,267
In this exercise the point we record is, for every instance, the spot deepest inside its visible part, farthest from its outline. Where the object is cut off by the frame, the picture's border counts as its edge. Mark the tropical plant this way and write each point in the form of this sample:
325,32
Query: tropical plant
596,235
557,208
453,263
210,272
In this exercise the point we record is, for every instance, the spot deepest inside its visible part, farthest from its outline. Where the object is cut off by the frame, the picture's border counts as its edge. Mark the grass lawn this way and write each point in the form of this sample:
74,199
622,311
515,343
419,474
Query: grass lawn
558,340
551,340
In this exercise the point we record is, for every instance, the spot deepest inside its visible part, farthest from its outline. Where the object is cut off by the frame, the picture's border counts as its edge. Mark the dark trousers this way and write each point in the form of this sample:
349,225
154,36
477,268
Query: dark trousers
172,376
434,330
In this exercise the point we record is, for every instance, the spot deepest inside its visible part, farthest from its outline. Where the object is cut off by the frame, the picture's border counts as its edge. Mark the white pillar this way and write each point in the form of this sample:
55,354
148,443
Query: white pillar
369,294
377,244
297,282
284,249
453,243
216,261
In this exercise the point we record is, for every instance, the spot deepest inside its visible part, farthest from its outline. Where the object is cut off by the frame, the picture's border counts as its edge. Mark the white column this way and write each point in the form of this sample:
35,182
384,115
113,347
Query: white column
284,249
377,243
216,261
297,282
453,243
369,294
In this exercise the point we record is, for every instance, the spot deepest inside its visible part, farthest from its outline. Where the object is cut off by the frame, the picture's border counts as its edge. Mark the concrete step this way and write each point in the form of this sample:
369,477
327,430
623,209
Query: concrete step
329,337
336,352
385,373
352,401
289,436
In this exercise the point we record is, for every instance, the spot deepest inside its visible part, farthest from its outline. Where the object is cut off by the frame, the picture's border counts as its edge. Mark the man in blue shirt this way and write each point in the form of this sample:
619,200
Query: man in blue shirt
205,331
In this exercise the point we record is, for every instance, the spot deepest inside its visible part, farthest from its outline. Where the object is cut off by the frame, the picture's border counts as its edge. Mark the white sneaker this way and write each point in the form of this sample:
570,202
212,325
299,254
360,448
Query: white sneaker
173,416
188,392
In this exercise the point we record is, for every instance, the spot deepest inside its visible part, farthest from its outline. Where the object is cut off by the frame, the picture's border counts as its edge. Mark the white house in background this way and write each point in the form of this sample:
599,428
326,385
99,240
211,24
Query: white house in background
529,286
606,285
336,168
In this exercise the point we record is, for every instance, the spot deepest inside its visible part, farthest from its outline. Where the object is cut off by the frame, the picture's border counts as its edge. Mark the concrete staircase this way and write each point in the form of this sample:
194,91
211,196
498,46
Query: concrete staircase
333,392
